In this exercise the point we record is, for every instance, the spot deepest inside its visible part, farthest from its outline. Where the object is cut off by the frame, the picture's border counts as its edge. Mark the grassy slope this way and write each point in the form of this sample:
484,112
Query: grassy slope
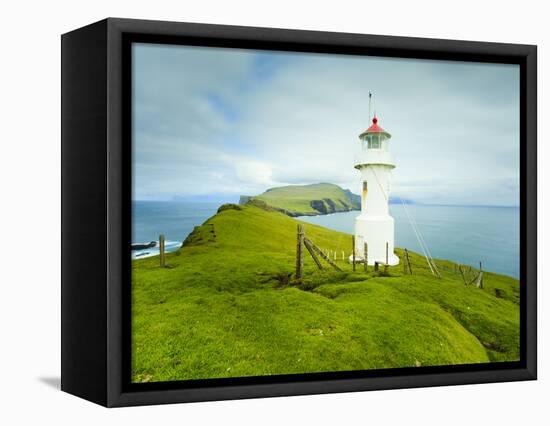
297,198
219,310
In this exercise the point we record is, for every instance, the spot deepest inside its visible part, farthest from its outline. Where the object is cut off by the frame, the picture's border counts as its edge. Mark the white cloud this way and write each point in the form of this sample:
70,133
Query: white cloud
253,171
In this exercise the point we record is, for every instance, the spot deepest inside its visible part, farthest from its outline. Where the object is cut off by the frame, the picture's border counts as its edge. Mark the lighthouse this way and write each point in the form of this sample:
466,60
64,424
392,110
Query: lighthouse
374,226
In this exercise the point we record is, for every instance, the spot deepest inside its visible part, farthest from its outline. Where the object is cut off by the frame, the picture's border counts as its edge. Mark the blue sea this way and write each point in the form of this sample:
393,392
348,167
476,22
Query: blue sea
466,234
174,219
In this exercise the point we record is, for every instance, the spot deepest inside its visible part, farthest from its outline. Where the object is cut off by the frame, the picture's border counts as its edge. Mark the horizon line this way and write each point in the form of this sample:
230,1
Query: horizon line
410,202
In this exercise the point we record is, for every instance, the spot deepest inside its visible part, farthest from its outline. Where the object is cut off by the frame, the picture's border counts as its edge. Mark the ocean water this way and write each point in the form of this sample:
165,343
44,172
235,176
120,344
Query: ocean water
174,219
466,234
460,233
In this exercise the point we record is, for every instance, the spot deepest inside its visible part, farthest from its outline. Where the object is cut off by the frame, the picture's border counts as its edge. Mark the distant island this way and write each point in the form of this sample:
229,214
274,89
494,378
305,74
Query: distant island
311,200
308,200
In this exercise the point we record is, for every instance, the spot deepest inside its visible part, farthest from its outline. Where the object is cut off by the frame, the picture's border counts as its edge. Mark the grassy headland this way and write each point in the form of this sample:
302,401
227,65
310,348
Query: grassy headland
224,307
306,200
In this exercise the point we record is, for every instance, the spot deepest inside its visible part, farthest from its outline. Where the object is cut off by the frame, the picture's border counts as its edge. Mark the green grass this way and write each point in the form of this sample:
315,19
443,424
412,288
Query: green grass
222,308
297,198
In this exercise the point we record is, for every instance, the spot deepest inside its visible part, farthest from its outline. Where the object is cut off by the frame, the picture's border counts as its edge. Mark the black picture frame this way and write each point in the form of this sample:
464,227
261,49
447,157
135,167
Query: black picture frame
96,183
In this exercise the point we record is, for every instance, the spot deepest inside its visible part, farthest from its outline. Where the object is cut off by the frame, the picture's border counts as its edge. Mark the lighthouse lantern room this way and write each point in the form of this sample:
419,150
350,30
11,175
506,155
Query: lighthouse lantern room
374,226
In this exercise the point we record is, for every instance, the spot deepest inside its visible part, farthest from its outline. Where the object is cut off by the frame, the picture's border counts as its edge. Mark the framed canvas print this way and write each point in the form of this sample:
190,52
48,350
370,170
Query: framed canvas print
252,212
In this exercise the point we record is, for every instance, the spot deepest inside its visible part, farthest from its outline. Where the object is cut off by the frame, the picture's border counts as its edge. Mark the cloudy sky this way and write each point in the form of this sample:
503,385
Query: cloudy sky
217,123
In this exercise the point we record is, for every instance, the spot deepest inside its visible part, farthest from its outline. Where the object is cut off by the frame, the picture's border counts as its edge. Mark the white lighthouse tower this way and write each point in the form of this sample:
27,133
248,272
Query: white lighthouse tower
374,226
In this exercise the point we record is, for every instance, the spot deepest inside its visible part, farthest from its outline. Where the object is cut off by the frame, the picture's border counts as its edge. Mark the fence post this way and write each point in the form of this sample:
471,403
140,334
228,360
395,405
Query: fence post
312,253
366,257
353,251
386,265
161,249
300,252
462,274
310,244
481,275
408,261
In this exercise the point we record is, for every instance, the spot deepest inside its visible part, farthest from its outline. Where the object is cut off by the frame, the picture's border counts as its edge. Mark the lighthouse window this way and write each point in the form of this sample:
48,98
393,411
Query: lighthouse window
374,143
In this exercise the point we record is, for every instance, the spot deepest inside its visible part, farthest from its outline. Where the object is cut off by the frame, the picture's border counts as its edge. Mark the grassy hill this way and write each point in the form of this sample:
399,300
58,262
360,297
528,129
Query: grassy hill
223,307
304,200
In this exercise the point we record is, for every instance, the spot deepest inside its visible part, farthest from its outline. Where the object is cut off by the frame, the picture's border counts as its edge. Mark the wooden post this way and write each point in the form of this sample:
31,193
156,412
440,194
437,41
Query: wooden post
353,251
161,249
312,253
480,280
343,255
408,261
462,273
300,252
320,253
386,265
366,257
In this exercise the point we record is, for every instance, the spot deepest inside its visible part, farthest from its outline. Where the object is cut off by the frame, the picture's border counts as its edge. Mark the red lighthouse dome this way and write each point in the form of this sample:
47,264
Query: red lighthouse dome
374,129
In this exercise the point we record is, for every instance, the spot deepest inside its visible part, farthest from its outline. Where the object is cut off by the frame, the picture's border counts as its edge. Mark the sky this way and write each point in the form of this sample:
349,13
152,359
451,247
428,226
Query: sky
213,124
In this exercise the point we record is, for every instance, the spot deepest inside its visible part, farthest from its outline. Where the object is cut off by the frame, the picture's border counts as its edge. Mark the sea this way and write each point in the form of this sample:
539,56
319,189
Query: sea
174,219
465,234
